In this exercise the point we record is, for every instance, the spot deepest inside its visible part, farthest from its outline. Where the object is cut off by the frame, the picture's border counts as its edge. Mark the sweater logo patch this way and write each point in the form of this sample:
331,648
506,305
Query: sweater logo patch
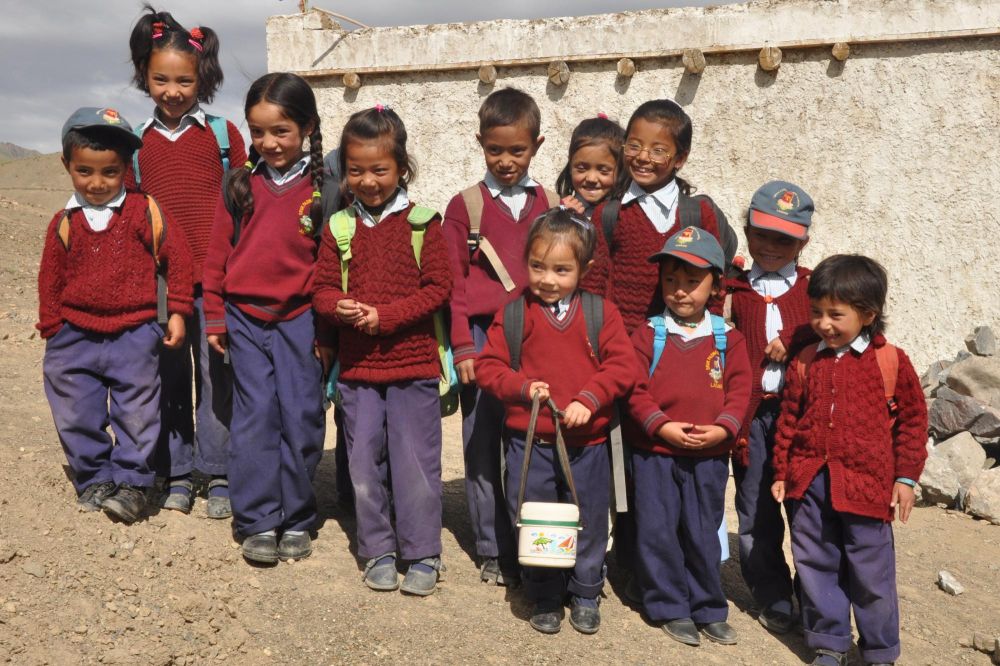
713,366
305,220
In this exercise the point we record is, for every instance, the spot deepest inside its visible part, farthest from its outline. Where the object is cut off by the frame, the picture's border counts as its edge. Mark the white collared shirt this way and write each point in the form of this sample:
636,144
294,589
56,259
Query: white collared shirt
194,116
561,307
98,217
659,206
514,196
279,178
704,327
399,201
773,284
858,344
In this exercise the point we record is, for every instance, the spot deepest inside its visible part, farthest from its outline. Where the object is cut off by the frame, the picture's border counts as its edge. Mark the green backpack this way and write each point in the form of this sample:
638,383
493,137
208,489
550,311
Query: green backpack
343,225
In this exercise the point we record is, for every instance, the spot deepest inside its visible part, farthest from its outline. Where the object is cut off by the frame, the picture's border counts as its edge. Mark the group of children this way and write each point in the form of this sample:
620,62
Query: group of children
617,301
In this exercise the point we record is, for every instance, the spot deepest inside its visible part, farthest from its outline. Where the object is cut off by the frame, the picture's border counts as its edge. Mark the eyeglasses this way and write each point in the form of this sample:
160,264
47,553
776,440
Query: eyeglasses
655,155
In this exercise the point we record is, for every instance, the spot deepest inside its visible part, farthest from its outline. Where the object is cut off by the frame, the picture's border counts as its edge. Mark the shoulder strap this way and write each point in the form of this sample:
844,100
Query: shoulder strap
419,217
593,317
473,198
513,329
688,211
727,307
551,197
474,202
159,230
331,188
62,229
690,216
804,358
220,129
888,363
139,130
609,218
719,333
343,224
659,340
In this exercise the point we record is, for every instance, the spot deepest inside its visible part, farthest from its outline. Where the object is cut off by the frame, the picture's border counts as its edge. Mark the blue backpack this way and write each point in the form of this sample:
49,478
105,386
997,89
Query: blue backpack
219,129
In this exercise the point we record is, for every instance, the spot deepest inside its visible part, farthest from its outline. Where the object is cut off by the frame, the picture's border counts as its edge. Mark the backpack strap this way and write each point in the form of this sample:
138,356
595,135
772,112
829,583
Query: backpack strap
474,202
719,333
888,364
593,317
804,358
551,197
330,191
513,329
419,217
62,229
159,229
138,130
343,224
609,218
689,212
220,129
659,323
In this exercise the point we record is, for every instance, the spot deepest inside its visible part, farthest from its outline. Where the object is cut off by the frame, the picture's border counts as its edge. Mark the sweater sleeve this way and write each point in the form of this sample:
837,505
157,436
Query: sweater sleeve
175,256
435,286
797,338
737,378
456,232
214,272
51,281
792,400
598,277
909,435
493,372
616,374
643,409
327,280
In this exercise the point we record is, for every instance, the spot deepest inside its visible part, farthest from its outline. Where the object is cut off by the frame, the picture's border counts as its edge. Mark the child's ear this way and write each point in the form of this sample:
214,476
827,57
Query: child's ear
479,139
867,317
538,142
308,129
65,163
680,161
585,269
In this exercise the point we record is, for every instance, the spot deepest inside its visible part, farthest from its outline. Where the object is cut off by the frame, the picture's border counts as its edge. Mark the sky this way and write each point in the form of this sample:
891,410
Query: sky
58,55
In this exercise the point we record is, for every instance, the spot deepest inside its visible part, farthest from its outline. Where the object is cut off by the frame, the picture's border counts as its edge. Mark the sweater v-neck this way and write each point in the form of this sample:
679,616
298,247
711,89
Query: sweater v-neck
282,190
561,324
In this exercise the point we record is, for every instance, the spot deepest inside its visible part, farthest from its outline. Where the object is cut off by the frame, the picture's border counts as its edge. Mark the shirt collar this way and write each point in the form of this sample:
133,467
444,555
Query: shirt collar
703,328
193,115
400,200
786,272
858,344
666,196
282,178
496,188
77,201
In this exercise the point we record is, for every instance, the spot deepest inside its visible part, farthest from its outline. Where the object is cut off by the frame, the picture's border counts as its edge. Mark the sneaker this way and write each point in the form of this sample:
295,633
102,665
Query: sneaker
719,632
419,580
380,573
126,504
262,548
294,546
683,630
547,617
94,495
826,657
218,506
775,621
179,495
585,619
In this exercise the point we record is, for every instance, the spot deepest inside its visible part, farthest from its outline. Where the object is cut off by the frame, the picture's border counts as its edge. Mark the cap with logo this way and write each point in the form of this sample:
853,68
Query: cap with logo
782,207
92,117
694,246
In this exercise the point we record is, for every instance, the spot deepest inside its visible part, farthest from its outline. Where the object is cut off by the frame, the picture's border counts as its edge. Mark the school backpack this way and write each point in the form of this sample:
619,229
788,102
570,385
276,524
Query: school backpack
343,226
689,212
219,129
474,202
155,217
659,323
888,365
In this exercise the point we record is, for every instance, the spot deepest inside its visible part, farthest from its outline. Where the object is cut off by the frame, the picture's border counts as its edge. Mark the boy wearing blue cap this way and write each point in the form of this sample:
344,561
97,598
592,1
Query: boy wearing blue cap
770,307
111,267
686,410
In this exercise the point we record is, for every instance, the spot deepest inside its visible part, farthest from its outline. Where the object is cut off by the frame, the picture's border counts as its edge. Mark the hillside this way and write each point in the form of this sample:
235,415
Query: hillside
12,151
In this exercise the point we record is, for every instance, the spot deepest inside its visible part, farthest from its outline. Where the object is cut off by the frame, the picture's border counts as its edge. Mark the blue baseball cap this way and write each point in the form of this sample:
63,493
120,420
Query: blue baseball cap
694,246
782,207
101,117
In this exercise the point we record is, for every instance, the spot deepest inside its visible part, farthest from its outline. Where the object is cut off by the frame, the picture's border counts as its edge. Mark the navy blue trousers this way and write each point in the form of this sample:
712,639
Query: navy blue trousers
678,509
845,562
278,422
591,470
82,370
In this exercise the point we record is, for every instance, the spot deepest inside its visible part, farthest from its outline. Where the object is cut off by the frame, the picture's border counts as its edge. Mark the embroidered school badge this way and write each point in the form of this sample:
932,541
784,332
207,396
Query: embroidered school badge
713,366
786,200
111,117
305,220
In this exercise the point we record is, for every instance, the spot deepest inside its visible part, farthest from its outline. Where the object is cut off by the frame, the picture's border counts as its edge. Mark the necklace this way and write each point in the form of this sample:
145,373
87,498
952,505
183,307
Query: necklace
685,324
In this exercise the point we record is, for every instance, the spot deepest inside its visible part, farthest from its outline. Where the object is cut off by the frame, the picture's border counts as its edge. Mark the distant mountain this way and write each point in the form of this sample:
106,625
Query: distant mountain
10,151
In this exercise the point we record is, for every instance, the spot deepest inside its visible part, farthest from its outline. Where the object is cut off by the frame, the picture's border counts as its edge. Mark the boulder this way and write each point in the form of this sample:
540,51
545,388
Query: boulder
933,377
977,377
952,412
964,455
939,483
983,497
982,342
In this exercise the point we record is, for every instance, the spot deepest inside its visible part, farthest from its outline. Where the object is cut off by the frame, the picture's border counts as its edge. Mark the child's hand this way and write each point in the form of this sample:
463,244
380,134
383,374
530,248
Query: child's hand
903,498
175,332
776,351
368,322
576,415
325,356
218,342
574,204
676,434
707,436
541,388
778,491
466,371
348,311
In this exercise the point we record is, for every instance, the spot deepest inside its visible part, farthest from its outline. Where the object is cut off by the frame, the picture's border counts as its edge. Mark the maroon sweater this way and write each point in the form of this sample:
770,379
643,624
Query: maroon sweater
838,418
106,281
559,353
185,176
749,316
623,272
269,274
685,387
383,273
478,290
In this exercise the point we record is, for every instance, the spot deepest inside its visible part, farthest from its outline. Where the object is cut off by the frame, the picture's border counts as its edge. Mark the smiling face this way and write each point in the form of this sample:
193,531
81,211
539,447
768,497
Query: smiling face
837,322
686,289
592,171
97,175
654,159
771,250
172,79
276,137
372,172
508,150
553,270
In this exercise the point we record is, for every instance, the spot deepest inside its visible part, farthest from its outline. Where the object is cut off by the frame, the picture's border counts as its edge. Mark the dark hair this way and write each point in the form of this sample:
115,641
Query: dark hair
510,106
97,138
591,132
156,31
293,95
853,279
568,227
380,124
668,113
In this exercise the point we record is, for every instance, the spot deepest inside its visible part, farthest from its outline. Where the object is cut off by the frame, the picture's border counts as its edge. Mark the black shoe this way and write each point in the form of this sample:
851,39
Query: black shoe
126,504
826,657
93,496
261,548
584,619
294,546
683,630
547,617
719,632
490,571
775,621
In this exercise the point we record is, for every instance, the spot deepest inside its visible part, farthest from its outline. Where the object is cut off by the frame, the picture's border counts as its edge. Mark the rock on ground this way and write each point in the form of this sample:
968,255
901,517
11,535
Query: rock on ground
949,583
983,498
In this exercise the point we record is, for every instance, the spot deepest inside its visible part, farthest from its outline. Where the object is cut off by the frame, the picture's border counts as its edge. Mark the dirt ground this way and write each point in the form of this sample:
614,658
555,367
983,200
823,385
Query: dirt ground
76,588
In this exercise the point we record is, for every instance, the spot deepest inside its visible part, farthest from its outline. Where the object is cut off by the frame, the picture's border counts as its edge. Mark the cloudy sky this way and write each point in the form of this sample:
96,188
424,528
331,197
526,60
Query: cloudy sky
57,55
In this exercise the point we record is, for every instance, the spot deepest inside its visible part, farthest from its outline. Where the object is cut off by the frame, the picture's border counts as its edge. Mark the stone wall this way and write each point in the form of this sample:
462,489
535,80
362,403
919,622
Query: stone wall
898,144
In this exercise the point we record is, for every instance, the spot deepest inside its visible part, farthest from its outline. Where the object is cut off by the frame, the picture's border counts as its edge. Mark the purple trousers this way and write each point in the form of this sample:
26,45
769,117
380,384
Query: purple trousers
678,509
761,525
401,421
194,435
845,562
82,370
278,422
591,470
482,429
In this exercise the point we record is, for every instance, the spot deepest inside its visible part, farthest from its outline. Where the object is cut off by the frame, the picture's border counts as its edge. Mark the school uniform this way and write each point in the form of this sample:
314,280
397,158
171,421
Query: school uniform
839,454
389,382
680,493
97,312
258,293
